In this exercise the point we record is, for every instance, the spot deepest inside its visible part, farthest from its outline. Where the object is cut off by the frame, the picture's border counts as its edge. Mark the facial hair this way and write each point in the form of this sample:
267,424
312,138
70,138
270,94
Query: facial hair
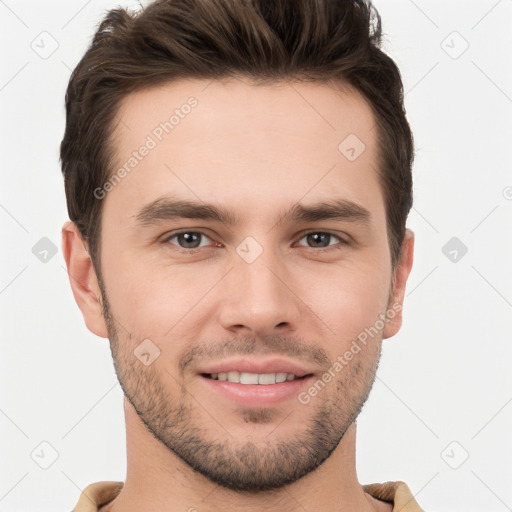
172,416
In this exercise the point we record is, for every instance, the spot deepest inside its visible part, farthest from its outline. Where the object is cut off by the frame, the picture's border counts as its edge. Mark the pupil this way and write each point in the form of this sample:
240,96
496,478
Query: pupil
189,239
314,237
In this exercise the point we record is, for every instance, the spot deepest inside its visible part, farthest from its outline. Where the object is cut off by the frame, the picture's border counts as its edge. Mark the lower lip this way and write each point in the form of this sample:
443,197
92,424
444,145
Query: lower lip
258,395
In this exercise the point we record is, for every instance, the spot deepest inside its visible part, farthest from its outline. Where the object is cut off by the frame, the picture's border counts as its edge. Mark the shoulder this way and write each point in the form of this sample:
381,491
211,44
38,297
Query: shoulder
97,494
397,493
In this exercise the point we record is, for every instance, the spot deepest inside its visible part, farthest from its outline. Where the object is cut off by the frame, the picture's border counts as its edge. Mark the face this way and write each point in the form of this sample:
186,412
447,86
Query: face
247,242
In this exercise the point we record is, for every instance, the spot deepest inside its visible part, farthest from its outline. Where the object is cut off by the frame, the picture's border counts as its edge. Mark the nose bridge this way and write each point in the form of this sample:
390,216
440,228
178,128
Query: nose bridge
261,289
258,299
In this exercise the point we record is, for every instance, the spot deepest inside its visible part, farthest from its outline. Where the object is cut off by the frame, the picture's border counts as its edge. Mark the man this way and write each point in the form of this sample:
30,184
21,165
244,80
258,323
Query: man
238,178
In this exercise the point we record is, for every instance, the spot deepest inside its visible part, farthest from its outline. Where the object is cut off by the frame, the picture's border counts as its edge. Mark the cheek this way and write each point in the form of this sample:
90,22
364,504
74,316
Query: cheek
348,300
155,299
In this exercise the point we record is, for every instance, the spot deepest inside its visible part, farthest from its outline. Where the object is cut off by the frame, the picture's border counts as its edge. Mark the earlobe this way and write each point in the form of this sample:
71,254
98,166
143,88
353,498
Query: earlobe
83,280
401,274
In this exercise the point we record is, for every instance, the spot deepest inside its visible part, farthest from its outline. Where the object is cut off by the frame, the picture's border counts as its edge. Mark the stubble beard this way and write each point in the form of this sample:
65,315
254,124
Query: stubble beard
241,466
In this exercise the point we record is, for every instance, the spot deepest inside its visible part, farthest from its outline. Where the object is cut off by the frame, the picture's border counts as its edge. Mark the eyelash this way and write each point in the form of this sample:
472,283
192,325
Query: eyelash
316,249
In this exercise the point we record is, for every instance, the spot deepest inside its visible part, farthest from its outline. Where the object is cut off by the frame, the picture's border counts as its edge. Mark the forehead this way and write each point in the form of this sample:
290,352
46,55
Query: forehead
252,145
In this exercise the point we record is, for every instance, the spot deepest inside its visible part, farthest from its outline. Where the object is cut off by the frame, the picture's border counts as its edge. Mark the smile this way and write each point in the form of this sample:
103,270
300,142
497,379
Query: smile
252,378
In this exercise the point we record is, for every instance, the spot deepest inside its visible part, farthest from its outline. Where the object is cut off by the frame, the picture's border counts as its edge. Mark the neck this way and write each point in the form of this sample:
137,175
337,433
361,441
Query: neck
159,480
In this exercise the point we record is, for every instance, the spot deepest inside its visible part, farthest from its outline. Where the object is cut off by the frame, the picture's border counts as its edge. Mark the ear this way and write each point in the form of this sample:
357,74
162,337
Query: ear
83,280
400,276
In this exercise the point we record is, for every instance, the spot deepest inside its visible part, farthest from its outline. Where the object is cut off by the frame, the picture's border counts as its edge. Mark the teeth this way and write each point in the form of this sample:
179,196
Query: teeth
233,376
267,378
248,378
253,378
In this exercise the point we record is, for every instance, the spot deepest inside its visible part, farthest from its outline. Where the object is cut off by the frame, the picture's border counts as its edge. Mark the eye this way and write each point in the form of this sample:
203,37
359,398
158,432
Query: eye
188,239
321,239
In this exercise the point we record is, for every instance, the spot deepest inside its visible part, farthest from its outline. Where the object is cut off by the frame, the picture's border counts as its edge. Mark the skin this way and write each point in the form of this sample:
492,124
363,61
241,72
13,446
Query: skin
257,150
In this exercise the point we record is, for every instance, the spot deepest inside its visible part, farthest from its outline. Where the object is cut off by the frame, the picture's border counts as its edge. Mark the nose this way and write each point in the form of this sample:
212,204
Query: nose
258,298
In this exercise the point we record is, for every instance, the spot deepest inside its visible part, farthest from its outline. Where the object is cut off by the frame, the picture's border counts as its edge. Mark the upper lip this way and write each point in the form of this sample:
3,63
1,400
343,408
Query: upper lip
256,366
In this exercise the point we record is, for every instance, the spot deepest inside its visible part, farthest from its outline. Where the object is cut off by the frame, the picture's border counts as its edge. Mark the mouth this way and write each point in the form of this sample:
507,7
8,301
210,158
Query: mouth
248,378
250,382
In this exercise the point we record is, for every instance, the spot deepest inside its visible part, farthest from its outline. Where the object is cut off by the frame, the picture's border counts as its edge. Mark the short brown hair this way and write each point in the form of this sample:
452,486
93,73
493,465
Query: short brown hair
313,40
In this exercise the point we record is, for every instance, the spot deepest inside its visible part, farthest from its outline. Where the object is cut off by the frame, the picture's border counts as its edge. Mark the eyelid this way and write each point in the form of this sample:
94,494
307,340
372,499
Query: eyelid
335,234
340,236
172,234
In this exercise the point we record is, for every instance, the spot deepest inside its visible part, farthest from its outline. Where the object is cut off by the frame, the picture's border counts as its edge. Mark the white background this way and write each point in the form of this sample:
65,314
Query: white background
444,378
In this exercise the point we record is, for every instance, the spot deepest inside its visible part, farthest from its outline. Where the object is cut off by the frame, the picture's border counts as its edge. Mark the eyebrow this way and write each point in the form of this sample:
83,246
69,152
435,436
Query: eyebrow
166,208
